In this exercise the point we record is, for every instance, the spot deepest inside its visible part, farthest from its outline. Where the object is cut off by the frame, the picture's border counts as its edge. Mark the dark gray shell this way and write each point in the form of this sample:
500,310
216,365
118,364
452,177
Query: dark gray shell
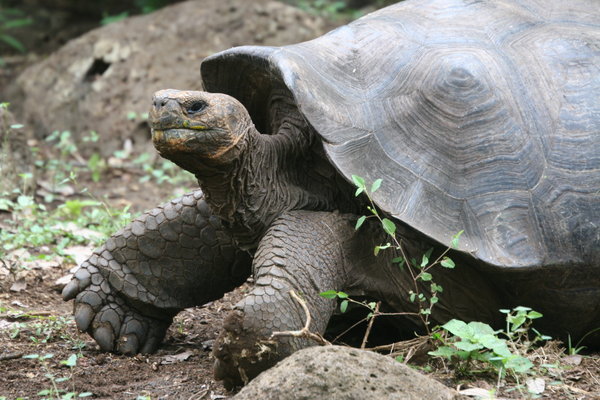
479,116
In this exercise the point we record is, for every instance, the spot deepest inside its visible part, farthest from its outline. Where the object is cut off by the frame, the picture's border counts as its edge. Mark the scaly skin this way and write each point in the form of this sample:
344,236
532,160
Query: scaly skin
174,256
302,251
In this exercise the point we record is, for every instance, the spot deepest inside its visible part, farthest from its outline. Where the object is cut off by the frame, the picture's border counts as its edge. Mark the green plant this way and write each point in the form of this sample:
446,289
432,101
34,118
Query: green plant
162,171
143,6
331,9
463,343
54,392
11,18
420,272
577,348
32,225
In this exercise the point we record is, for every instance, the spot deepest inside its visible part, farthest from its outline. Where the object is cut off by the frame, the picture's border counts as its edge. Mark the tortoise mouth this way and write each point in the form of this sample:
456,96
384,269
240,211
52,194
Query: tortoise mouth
203,141
174,138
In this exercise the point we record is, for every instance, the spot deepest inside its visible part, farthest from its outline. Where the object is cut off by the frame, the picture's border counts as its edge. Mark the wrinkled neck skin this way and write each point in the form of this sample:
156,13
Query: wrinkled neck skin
265,175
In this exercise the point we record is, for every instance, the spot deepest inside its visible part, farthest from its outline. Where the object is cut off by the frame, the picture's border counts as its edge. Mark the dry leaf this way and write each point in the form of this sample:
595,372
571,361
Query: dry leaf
479,393
172,359
536,385
79,253
61,282
18,286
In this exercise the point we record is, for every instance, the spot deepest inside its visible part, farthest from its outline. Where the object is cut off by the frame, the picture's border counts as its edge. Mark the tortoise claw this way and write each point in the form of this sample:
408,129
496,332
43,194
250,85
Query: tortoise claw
83,316
105,337
128,344
103,313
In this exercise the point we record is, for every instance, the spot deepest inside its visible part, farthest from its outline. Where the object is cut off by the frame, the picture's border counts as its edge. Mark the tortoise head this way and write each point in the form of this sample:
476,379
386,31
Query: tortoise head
205,125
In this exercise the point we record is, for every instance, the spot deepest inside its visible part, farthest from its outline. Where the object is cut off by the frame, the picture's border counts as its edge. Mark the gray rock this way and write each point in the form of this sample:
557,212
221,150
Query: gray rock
335,372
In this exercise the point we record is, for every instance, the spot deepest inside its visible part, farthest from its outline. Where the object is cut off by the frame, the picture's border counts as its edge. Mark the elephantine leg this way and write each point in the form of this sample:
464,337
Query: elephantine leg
174,256
302,251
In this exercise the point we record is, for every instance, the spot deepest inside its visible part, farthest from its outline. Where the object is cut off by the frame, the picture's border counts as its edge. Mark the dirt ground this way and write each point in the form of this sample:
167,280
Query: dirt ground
35,320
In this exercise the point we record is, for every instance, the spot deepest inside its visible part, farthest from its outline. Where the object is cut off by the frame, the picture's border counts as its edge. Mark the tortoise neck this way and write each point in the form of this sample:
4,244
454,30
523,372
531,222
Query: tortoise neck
273,174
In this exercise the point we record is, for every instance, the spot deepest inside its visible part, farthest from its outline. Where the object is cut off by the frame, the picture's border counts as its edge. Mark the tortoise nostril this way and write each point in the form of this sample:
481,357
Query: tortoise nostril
160,102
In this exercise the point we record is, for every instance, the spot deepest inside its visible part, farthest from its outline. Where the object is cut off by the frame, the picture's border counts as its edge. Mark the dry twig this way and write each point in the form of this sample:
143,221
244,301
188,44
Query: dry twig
304,332
368,331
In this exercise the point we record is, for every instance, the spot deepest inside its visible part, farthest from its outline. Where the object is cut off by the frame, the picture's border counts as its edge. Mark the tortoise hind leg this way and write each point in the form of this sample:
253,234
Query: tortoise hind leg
302,251
174,256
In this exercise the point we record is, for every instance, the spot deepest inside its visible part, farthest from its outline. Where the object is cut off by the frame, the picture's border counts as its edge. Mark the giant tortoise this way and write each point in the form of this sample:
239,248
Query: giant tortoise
477,116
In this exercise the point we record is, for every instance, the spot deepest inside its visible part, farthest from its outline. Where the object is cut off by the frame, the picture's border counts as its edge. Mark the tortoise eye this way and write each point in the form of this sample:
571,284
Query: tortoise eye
196,107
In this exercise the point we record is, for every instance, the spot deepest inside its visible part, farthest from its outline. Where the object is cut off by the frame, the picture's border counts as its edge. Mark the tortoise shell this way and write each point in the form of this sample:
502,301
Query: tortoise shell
478,116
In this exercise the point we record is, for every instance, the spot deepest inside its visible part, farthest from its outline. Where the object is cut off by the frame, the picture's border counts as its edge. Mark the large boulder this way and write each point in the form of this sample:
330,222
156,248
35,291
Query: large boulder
103,81
340,373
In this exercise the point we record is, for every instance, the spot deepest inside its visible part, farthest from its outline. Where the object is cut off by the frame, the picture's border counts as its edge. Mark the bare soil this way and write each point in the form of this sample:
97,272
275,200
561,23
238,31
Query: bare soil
35,320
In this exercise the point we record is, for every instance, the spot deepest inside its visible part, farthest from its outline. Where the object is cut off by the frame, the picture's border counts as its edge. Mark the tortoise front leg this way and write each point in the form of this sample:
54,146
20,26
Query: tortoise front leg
174,256
302,251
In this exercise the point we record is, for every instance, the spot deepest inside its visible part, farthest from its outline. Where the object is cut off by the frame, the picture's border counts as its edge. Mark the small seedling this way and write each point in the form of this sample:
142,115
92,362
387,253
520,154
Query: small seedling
54,392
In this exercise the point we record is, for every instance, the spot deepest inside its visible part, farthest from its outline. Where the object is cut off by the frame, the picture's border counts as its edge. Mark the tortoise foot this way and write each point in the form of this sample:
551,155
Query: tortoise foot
104,314
241,354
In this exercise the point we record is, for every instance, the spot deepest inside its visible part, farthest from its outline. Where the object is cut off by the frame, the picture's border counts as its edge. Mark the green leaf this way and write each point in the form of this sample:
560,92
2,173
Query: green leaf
342,295
44,392
447,263
109,19
435,288
516,321
426,276
17,23
12,42
492,342
519,364
468,346
443,351
32,356
358,181
382,247
375,186
522,308
343,306
388,226
330,294
455,239
534,315
16,126
85,394
400,261
480,328
71,361
358,192
360,221
458,328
